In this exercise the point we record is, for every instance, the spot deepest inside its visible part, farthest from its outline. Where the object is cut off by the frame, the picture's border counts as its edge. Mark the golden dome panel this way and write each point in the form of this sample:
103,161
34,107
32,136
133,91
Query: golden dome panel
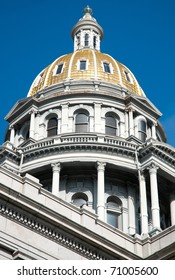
119,74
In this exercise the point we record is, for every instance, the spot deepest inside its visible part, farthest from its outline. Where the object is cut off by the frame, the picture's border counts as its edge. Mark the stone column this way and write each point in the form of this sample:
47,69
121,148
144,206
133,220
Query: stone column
97,117
32,123
143,204
131,122
131,210
121,128
126,124
153,131
154,197
12,134
37,126
172,208
101,190
65,113
55,178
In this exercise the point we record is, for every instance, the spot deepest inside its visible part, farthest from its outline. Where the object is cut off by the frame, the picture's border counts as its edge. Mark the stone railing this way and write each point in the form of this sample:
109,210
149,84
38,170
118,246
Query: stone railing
80,139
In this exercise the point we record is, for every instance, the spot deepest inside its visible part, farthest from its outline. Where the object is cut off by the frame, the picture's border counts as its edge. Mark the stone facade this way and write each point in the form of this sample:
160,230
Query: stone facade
85,170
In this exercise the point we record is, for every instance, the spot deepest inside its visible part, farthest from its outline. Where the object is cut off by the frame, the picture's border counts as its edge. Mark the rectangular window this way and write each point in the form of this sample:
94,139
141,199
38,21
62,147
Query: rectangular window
106,67
127,75
59,69
82,64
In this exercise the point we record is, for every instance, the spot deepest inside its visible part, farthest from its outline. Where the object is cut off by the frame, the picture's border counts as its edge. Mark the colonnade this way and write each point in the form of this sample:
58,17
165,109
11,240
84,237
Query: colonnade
155,209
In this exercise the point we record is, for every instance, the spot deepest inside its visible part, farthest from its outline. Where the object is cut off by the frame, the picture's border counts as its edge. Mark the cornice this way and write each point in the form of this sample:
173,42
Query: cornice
161,150
79,143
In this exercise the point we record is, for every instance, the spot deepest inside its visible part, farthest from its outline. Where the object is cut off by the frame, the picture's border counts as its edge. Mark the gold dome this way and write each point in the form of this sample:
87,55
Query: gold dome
69,69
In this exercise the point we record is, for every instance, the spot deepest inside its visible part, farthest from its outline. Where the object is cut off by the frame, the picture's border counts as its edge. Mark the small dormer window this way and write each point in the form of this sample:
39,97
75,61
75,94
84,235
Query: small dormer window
106,67
83,64
38,79
128,76
86,40
59,69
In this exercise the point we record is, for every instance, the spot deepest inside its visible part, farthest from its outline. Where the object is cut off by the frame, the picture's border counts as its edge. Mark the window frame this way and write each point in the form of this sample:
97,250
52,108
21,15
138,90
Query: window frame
55,70
86,39
79,199
108,69
58,68
128,76
114,208
111,127
85,63
53,127
84,124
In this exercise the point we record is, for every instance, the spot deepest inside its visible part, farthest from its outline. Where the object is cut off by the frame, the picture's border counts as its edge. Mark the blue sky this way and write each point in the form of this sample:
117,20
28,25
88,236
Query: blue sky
139,34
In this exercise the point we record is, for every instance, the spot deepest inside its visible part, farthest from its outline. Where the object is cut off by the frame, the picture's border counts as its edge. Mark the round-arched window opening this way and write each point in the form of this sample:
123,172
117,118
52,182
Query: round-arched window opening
80,199
114,211
110,125
82,122
52,127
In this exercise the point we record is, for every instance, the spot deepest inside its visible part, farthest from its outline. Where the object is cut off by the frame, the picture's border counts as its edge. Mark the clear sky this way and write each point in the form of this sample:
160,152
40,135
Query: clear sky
139,34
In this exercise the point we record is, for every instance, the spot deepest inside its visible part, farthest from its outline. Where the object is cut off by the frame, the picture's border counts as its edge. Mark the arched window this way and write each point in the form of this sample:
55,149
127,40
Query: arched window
86,40
80,199
82,122
110,125
52,127
113,207
142,130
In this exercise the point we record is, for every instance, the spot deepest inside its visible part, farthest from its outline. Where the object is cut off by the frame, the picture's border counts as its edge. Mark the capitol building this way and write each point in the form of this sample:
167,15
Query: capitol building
85,169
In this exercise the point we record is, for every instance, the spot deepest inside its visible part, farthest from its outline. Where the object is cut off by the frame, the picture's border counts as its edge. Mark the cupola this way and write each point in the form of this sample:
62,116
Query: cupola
87,33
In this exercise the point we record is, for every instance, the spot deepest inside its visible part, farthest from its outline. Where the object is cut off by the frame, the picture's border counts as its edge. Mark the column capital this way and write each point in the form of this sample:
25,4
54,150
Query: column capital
37,113
152,168
11,127
101,166
130,109
65,105
32,111
56,167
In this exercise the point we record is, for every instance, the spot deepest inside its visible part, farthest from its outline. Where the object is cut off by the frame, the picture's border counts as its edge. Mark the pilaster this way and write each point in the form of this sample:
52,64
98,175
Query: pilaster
55,178
101,190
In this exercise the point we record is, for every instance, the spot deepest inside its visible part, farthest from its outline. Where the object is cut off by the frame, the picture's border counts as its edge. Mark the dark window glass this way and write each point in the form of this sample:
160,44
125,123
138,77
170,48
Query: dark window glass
113,211
112,218
95,41
106,67
82,64
27,135
142,130
111,126
59,69
52,127
80,199
86,40
81,122
78,39
127,77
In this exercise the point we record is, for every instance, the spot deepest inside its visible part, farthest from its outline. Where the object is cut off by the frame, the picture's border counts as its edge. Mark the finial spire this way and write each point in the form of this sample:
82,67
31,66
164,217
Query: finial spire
87,10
